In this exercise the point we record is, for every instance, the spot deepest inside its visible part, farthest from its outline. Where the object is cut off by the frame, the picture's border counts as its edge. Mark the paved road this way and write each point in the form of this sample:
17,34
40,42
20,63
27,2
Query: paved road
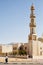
21,64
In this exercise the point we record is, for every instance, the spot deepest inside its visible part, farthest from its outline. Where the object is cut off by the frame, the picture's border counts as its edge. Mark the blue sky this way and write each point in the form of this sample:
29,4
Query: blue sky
15,19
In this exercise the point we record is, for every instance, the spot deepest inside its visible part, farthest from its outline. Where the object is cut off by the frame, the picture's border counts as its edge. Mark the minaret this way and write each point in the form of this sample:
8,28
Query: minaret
32,25
32,38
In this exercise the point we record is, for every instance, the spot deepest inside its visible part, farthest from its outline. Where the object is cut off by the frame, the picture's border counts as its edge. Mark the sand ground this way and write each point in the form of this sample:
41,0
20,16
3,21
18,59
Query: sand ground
13,60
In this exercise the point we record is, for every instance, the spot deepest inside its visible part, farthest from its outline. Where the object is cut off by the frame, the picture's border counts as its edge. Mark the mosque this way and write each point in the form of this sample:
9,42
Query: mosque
35,43
34,46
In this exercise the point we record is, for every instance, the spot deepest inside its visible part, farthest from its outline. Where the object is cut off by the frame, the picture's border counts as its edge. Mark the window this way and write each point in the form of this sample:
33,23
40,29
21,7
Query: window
14,48
40,47
25,48
41,53
32,30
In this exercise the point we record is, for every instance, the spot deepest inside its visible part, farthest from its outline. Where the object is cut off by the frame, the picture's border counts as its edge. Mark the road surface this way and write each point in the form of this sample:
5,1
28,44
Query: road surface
23,63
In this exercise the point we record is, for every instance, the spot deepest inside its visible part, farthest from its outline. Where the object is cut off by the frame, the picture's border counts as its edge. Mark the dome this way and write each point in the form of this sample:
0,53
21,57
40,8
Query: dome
41,38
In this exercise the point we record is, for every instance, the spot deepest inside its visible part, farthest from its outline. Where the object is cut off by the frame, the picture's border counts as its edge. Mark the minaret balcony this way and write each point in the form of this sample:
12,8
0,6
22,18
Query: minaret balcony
32,7
32,16
32,25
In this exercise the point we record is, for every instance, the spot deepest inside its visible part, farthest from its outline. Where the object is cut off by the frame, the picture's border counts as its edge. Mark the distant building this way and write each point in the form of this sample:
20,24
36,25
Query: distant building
7,48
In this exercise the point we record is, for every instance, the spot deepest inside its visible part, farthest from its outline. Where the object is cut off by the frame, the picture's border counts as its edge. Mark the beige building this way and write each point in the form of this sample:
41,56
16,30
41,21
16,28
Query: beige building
15,48
0,49
26,47
35,43
6,48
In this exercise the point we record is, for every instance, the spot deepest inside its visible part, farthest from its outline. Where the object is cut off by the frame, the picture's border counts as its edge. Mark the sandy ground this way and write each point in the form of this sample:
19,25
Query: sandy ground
12,60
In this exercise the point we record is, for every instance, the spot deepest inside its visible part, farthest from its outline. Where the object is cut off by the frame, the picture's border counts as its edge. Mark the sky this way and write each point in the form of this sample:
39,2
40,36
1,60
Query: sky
15,19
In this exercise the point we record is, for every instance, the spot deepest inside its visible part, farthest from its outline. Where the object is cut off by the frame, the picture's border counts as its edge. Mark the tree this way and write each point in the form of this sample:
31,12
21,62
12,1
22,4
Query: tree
21,50
14,53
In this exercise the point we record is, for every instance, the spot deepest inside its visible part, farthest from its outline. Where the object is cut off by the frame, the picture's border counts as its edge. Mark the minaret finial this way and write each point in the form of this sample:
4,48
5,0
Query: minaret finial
32,7
32,4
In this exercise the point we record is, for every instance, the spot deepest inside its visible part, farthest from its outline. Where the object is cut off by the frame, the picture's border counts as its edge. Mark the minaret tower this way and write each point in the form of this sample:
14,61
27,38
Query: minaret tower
32,35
